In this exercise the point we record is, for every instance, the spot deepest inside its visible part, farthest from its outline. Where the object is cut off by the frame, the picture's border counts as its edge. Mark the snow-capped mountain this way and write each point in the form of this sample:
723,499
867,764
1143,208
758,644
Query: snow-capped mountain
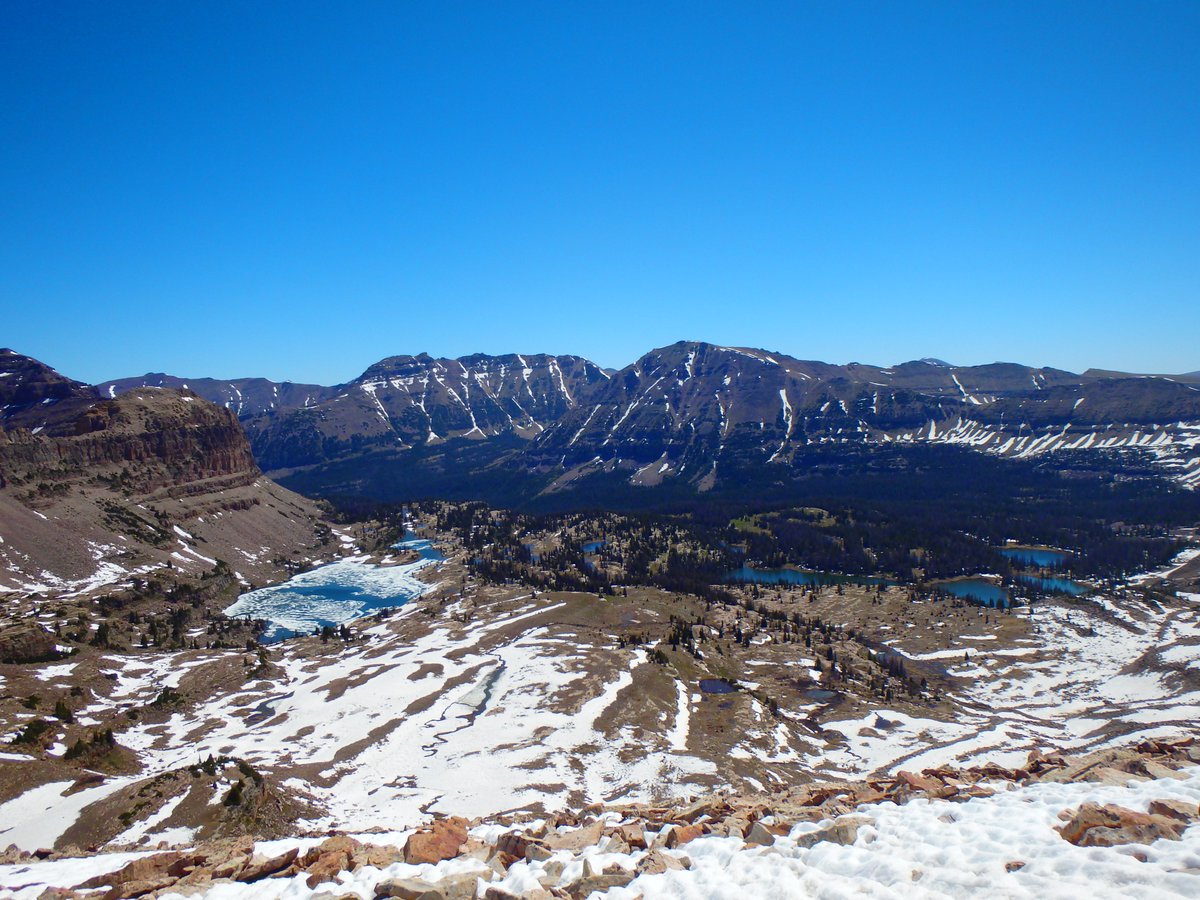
680,410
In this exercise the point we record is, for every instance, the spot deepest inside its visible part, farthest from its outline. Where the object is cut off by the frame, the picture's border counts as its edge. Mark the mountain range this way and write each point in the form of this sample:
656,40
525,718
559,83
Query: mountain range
679,412
690,415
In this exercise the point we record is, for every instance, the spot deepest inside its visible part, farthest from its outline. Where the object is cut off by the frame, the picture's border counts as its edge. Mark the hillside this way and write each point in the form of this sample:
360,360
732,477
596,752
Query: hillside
102,490
35,397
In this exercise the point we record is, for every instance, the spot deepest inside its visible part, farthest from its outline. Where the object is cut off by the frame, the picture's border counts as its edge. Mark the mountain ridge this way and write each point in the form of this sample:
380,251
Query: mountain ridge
679,409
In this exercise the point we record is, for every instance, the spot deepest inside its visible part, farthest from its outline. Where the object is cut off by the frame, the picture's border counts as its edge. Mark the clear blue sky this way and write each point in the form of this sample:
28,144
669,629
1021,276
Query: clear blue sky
298,189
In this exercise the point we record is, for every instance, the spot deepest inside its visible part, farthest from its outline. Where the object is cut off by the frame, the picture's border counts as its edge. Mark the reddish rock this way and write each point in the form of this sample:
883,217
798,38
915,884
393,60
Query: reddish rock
442,841
682,834
634,835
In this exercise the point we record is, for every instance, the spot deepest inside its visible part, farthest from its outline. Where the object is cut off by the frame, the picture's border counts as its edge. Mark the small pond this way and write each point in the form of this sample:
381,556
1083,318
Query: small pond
716,686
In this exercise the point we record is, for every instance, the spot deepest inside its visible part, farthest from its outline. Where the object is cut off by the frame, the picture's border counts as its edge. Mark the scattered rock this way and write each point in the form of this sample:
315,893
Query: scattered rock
233,860
656,862
842,831
453,887
586,885
577,839
759,835
1175,809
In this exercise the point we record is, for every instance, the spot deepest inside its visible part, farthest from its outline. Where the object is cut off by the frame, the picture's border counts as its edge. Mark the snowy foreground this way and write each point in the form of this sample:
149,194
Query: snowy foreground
1003,845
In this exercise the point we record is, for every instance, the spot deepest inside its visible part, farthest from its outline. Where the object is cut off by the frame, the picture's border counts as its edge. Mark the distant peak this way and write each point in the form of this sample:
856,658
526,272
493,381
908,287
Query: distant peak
934,361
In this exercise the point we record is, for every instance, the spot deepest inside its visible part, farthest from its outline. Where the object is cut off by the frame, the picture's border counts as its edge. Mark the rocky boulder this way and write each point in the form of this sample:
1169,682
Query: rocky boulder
443,840
1093,825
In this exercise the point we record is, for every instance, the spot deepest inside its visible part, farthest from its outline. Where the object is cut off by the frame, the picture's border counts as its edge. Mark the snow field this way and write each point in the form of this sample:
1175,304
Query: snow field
921,849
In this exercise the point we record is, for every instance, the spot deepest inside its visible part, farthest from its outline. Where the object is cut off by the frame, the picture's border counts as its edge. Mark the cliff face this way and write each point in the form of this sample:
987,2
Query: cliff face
152,439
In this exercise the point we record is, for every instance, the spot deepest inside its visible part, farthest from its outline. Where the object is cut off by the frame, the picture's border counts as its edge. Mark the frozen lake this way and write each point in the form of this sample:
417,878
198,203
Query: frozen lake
336,593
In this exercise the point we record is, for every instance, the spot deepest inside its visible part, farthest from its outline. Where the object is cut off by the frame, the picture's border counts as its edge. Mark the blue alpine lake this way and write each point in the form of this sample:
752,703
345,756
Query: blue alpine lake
989,592
336,592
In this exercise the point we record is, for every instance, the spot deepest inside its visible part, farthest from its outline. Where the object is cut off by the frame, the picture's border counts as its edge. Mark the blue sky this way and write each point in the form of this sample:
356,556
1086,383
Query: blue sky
297,190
